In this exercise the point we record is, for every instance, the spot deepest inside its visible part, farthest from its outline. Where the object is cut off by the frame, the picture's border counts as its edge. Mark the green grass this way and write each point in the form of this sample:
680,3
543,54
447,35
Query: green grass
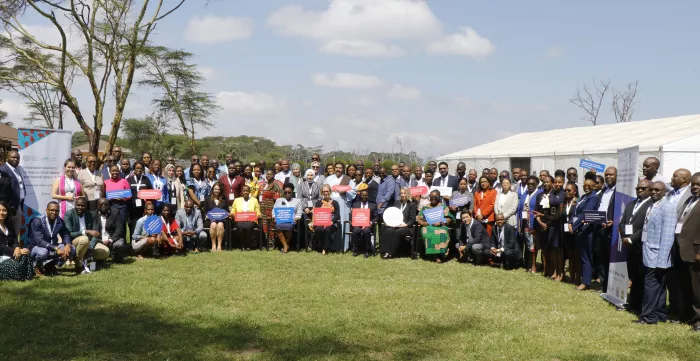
263,305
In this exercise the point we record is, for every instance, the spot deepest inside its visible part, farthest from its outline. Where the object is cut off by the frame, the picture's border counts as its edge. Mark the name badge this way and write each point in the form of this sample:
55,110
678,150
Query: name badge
679,226
459,215
201,198
97,194
138,202
173,201
310,204
260,198
231,196
628,229
525,215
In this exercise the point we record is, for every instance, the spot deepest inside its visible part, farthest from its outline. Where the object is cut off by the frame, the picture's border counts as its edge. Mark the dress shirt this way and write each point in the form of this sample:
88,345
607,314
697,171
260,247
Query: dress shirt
675,195
605,199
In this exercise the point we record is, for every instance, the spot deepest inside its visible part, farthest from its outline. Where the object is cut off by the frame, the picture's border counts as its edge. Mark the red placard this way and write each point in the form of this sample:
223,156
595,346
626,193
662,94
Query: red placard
323,217
150,194
360,217
340,188
246,217
418,191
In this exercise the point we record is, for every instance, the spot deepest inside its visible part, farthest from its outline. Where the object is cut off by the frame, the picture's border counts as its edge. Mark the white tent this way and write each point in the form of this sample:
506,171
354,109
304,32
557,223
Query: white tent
675,141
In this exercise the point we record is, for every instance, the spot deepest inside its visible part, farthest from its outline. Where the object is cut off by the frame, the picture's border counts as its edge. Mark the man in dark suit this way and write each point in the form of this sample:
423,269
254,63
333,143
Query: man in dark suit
504,243
363,235
372,185
18,179
42,240
630,229
446,180
679,290
602,236
473,240
81,226
689,246
112,230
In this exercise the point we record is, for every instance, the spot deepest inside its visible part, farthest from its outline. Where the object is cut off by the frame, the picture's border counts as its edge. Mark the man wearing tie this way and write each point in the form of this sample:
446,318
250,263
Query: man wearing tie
363,235
504,244
630,230
679,292
689,245
18,179
657,240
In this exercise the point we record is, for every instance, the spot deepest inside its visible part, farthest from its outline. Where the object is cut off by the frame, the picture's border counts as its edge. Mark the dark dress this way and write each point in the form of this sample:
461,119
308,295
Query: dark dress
208,205
325,237
551,217
11,269
136,212
392,238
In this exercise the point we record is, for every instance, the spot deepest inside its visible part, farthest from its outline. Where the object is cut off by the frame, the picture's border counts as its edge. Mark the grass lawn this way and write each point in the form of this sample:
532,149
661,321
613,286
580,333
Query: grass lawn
267,306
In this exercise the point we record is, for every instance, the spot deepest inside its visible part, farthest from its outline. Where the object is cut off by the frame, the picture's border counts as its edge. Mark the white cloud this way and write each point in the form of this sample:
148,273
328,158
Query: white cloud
404,92
555,52
362,48
16,110
248,103
214,29
346,80
372,28
466,42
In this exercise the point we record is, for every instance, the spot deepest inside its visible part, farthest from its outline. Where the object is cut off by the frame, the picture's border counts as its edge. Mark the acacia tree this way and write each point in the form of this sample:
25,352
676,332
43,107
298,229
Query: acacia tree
172,72
110,35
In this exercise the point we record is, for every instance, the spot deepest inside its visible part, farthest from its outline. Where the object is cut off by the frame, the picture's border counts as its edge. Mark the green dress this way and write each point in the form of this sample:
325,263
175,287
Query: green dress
436,239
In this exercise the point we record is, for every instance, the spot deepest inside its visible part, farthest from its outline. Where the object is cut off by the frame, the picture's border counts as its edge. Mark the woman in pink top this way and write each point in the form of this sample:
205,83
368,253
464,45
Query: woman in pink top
116,183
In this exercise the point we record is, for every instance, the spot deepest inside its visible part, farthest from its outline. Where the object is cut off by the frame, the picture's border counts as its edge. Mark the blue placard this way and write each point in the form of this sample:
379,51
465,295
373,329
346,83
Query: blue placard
587,164
217,214
459,202
434,215
124,193
152,225
284,215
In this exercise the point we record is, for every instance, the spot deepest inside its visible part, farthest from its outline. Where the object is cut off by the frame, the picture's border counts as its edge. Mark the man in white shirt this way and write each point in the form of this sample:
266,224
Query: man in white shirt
650,170
680,187
284,173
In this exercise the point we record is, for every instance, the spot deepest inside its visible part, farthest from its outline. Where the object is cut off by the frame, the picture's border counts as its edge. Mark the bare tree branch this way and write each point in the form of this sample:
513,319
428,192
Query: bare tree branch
623,102
591,101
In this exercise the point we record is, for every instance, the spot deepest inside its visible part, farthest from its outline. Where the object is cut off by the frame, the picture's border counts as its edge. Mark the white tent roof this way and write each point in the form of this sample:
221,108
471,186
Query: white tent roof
668,134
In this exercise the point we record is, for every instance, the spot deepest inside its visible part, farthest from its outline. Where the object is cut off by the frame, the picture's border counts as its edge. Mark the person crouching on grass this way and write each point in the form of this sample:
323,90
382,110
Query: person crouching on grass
170,234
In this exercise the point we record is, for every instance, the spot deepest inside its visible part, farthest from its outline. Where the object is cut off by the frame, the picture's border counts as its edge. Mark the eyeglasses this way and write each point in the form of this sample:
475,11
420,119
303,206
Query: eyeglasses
641,188
315,167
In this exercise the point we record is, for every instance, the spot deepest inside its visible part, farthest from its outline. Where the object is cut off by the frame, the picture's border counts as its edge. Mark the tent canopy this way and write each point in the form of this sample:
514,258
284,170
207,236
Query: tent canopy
679,134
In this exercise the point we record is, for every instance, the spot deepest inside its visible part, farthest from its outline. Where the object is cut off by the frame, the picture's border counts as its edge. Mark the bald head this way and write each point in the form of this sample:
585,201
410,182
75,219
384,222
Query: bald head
681,178
650,167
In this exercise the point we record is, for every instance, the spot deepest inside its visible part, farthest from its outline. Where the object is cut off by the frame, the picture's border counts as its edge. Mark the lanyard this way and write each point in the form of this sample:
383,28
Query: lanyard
92,176
138,183
526,204
199,184
167,225
157,183
637,206
568,207
48,227
470,187
403,206
211,183
231,181
190,220
69,184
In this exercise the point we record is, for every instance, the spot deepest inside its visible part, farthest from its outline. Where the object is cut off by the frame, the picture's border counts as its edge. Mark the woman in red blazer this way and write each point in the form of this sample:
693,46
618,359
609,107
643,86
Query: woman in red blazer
484,203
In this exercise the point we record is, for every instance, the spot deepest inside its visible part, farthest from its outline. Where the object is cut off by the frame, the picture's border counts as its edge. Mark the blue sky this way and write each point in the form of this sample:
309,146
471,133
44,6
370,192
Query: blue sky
359,73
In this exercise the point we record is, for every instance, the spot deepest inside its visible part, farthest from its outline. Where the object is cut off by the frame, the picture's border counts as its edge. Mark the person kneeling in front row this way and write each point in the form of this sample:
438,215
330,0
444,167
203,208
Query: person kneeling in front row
473,241
143,243
80,222
504,244
189,219
112,232
43,243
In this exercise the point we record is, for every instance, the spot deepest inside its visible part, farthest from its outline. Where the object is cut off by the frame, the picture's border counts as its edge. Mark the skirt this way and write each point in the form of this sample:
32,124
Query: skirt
436,239
12,270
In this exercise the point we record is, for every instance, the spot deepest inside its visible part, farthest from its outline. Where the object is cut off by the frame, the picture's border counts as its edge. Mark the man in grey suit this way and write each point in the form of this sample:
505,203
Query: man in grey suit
689,242
678,277
190,222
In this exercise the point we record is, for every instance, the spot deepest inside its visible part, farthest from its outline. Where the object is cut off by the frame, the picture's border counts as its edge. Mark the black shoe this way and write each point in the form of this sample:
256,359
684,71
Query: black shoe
355,253
367,255
642,322
695,328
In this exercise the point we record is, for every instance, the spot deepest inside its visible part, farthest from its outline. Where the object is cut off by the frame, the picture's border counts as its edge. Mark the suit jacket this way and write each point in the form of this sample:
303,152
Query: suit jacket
197,223
660,227
409,212
477,235
637,221
72,221
509,208
486,202
681,201
8,242
509,237
689,239
7,193
373,190
15,183
452,181
527,223
372,210
39,236
312,193
115,226
585,203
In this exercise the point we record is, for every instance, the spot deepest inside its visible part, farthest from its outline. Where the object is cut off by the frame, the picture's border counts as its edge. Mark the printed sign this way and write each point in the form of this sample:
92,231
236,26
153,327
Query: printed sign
588,164
444,191
284,215
217,214
120,194
246,217
434,215
341,188
360,217
418,191
594,217
150,194
393,217
459,202
152,225
323,217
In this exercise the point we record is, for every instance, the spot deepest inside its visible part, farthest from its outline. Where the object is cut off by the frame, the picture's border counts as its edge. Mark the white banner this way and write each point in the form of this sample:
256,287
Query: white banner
42,154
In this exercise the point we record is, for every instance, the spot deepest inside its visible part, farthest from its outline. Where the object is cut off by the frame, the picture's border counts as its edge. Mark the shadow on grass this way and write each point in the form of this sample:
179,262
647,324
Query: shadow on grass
52,321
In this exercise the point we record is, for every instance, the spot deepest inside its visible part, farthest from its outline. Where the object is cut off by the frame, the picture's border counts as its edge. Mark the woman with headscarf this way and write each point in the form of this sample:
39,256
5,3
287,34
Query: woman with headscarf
175,187
295,178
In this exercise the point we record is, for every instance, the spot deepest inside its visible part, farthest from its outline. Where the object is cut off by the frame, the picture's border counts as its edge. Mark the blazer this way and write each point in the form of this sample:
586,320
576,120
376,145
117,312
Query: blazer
253,206
660,225
7,193
309,193
145,184
585,203
72,221
15,183
373,190
477,235
452,181
209,204
509,238
409,213
636,220
8,242
529,223
509,208
39,236
681,201
197,222
486,202
372,210
689,239
115,226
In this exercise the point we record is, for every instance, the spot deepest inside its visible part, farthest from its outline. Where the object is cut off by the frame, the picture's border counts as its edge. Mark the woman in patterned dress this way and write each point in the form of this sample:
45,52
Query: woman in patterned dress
197,186
15,263
268,196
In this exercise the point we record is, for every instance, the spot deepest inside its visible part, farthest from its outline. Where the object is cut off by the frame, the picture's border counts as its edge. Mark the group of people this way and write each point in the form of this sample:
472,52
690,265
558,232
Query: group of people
501,219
